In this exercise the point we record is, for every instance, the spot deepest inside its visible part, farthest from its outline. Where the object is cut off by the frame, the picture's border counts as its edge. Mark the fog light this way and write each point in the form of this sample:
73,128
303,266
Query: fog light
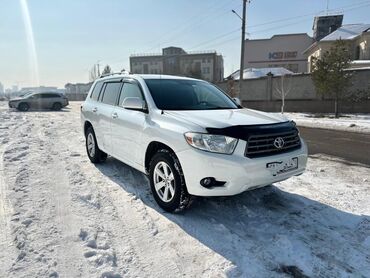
207,182
210,182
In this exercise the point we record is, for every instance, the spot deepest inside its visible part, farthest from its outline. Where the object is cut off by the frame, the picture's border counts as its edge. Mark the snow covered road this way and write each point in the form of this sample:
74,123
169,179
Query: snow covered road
61,216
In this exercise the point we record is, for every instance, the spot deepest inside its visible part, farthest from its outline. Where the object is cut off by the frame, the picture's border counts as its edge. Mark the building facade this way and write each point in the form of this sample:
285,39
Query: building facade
78,88
206,65
279,51
357,37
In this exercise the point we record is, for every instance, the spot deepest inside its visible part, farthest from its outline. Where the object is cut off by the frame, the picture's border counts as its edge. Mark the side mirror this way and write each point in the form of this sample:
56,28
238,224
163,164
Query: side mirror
134,103
237,101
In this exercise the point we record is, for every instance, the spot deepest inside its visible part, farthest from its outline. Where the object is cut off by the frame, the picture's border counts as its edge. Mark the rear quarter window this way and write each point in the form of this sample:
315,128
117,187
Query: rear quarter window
96,91
50,95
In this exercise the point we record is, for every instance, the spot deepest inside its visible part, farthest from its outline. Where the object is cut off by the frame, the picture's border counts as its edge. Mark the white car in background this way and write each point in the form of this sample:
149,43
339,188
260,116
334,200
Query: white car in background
188,136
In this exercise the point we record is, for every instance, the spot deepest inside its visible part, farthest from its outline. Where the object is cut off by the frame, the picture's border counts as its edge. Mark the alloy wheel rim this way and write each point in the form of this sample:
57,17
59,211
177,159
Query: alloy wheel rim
90,144
164,182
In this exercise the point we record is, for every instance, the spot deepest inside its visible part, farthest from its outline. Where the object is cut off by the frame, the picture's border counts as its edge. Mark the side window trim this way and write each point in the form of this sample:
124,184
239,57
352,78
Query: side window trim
119,92
92,91
101,93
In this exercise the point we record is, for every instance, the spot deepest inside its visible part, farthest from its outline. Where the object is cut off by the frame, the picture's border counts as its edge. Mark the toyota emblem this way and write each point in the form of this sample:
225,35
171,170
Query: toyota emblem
279,142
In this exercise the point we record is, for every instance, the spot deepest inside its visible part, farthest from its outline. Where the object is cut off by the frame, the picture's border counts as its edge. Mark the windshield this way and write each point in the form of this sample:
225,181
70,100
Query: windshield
177,94
28,94
25,94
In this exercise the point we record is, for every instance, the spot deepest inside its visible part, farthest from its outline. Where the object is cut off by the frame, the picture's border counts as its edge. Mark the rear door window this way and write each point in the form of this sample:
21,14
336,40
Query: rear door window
96,90
111,93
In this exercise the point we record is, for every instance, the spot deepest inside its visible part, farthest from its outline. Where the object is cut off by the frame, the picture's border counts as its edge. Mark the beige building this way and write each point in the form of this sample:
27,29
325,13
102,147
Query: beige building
278,51
358,38
207,65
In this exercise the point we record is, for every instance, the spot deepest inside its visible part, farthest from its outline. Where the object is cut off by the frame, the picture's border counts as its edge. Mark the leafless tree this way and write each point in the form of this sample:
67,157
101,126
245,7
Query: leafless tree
283,86
93,74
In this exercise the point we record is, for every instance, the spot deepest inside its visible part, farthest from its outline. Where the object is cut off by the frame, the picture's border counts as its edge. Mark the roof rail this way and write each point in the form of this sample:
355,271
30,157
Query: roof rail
114,73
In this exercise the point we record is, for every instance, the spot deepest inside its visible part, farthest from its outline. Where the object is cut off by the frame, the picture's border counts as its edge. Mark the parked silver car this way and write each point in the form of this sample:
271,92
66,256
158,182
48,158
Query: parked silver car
46,100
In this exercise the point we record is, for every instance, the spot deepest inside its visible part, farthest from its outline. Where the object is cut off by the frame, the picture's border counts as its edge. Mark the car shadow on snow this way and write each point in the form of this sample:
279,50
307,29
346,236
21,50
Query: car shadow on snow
267,231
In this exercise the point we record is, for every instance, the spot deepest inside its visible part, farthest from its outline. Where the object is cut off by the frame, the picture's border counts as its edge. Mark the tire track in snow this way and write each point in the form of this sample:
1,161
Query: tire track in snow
10,122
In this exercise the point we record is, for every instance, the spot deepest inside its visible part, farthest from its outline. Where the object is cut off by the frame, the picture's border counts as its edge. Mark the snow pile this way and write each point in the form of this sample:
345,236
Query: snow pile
61,216
347,122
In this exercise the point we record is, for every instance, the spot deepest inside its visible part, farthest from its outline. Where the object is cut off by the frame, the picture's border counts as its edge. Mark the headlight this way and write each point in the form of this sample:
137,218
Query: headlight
211,143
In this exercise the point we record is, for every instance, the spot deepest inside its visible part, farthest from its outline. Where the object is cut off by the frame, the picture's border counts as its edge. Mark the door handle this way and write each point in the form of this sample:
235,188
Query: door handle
95,109
114,115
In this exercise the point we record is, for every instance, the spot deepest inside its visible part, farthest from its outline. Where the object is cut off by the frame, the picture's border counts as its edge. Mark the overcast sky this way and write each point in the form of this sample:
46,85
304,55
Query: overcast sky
71,35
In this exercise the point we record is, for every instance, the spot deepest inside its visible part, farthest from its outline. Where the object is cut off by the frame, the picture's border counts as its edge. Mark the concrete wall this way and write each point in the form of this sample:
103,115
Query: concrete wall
76,97
309,106
263,94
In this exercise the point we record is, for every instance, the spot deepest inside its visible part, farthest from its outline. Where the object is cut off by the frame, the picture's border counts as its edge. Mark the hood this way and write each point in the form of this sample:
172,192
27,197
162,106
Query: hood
225,118
16,99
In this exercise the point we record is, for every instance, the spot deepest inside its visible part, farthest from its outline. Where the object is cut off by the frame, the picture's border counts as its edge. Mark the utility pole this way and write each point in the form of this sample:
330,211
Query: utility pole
244,19
98,64
327,7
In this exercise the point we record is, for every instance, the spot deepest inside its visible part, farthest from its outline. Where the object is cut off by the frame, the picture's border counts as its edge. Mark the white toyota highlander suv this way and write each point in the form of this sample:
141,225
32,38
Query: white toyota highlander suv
188,136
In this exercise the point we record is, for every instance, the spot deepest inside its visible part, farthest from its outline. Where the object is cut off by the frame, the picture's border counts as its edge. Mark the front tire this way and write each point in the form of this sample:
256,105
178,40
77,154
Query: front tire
93,152
167,182
23,106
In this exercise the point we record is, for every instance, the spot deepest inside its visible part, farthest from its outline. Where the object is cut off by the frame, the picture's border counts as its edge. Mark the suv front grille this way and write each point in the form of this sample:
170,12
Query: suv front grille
260,138
263,144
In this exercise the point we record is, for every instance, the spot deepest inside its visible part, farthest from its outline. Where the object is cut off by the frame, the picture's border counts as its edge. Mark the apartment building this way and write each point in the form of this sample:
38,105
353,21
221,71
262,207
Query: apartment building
206,65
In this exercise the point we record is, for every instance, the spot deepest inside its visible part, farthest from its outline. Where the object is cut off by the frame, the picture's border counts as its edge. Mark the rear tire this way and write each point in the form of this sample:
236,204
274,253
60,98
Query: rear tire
23,106
93,152
167,182
57,106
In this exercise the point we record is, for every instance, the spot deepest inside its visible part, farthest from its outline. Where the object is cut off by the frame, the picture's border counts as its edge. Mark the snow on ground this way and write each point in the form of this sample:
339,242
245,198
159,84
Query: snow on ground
61,216
346,122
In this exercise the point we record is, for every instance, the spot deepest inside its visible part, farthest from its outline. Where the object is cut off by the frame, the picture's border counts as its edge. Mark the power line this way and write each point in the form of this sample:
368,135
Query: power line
190,28
193,25
342,8
216,38
279,27
179,29
311,14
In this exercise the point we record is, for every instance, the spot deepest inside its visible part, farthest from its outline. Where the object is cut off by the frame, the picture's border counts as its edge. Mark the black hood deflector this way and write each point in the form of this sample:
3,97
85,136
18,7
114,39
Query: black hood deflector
244,131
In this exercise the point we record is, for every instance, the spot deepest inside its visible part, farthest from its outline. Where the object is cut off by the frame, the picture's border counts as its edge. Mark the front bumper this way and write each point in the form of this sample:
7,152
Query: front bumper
12,104
239,172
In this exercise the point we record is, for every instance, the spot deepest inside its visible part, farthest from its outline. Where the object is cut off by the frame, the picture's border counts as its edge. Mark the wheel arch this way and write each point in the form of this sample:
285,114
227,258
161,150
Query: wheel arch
23,102
87,124
152,149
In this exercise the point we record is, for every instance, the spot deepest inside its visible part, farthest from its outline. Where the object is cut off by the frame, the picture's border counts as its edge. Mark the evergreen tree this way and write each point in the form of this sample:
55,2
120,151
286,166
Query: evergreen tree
107,70
329,73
